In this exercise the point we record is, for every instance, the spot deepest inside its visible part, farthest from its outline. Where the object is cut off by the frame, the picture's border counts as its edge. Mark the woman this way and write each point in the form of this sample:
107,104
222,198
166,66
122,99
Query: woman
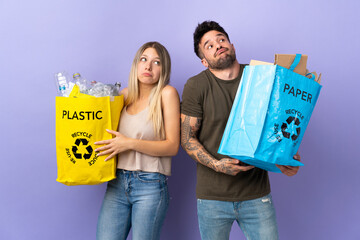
149,134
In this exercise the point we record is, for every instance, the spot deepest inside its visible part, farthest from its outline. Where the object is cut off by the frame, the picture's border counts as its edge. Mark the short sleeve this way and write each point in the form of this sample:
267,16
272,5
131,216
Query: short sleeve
191,104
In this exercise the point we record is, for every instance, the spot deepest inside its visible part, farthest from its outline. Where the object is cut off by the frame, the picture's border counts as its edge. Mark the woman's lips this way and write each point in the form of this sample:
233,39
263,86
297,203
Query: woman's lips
147,74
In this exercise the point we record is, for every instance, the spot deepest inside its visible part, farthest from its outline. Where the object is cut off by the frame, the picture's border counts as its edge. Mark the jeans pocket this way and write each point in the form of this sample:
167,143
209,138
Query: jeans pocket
149,177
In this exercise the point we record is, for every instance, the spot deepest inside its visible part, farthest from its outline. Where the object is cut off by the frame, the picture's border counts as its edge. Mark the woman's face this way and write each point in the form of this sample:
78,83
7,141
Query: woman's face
149,67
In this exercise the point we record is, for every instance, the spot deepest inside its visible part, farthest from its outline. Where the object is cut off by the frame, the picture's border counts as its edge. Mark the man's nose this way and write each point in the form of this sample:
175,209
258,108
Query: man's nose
218,48
218,45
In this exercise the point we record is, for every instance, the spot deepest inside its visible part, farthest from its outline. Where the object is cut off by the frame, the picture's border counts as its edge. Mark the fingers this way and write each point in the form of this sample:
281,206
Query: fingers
297,157
242,168
231,166
110,147
246,168
112,132
103,148
230,161
105,152
238,164
235,169
110,156
107,141
103,142
288,170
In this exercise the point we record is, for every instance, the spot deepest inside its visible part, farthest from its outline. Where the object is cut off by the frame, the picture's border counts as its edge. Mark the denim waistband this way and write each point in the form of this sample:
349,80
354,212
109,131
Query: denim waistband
123,171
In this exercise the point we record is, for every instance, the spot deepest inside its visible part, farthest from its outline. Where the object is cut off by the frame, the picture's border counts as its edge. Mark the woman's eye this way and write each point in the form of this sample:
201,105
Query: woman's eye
221,40
210,47
157,62
142,59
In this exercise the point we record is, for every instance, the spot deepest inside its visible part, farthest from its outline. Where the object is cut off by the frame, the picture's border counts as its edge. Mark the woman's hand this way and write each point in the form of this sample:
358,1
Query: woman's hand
113,146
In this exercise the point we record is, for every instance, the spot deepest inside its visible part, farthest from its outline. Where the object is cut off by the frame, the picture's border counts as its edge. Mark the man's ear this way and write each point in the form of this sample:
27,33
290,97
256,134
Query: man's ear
204,62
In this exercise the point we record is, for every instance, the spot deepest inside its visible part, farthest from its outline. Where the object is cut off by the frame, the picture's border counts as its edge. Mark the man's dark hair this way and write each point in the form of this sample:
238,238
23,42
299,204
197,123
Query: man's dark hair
200,31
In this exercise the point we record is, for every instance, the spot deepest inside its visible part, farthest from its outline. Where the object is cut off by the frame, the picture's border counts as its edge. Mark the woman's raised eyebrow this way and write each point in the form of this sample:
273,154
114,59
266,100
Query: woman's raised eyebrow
144,55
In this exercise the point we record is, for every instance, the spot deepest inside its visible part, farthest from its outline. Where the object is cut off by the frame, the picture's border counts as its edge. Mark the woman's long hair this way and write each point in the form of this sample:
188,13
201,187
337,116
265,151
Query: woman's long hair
155,110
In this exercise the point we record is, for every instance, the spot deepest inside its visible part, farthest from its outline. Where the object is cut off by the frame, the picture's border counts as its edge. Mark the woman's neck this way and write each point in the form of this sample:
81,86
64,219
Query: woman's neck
144,91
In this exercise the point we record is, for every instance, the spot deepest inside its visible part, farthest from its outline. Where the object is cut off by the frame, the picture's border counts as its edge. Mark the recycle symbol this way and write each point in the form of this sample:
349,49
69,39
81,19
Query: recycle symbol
88,149
284,127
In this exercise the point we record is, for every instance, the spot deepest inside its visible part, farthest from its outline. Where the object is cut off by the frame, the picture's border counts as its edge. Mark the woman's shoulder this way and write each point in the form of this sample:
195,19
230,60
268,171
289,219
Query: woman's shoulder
169,92
124,92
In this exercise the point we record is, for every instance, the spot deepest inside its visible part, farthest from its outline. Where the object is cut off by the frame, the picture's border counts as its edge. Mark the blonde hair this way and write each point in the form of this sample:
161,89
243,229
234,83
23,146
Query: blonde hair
155,110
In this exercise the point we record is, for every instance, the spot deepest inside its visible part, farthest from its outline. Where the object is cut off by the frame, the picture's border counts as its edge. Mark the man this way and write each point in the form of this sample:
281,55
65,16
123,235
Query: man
227,189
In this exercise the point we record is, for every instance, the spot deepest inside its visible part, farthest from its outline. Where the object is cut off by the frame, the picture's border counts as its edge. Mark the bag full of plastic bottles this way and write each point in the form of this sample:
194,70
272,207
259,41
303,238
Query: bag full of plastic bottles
83,113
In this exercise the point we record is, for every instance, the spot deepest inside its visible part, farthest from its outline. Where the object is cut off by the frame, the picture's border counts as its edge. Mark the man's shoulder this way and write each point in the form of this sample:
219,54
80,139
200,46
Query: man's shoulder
196,85
198,79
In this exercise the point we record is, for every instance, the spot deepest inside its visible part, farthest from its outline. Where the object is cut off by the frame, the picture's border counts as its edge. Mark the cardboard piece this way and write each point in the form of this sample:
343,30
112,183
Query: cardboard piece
256,62
318,80
285,60
317,77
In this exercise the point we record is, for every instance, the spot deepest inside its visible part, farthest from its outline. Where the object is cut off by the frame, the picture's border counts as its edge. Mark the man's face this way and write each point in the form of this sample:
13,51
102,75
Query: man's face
218,52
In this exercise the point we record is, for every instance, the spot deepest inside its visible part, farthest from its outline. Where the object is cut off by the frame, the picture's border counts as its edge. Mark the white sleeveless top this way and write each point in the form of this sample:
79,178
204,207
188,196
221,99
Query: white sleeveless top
138,126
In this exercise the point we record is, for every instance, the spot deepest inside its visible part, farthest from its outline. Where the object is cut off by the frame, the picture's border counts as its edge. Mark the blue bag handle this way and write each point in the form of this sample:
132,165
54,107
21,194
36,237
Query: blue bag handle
295,62
312,76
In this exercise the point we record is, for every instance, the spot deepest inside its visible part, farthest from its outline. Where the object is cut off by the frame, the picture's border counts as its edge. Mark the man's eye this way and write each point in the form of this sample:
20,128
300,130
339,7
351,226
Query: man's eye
210,47
222,40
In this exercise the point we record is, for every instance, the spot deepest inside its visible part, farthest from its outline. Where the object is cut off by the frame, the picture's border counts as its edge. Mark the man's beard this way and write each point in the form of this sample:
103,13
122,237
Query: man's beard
223,63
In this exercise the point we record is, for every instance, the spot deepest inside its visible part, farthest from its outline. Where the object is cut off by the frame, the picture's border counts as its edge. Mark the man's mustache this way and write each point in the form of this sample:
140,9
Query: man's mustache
222,48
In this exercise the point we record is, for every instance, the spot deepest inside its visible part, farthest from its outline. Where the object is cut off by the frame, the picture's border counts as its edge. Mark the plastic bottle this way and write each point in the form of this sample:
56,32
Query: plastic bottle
117,89
81,82
62,82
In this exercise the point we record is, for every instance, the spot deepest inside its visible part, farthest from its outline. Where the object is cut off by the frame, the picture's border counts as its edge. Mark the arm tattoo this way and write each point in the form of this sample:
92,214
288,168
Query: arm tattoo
205,159
189,131
190,143
222,167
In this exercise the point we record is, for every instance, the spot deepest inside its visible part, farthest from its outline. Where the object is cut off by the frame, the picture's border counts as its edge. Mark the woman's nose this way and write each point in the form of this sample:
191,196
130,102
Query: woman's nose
148,66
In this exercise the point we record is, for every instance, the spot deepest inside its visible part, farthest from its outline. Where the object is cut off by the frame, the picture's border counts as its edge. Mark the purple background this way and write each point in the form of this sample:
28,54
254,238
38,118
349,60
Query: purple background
99,39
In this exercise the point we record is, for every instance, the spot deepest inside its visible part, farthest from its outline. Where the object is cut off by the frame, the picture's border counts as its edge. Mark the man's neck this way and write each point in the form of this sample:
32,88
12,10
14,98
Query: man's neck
227,74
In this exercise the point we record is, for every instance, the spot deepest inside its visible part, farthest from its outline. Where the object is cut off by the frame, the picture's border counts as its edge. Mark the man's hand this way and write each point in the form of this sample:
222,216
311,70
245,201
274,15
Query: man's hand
231,166
290,170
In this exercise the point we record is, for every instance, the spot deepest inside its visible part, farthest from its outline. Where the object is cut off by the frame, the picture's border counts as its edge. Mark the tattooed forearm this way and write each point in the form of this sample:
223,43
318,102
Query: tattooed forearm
206,159
190,143
189,130
185,130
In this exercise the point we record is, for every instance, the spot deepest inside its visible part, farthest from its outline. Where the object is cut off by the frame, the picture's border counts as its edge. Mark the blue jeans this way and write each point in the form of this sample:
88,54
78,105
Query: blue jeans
137,200
256,218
